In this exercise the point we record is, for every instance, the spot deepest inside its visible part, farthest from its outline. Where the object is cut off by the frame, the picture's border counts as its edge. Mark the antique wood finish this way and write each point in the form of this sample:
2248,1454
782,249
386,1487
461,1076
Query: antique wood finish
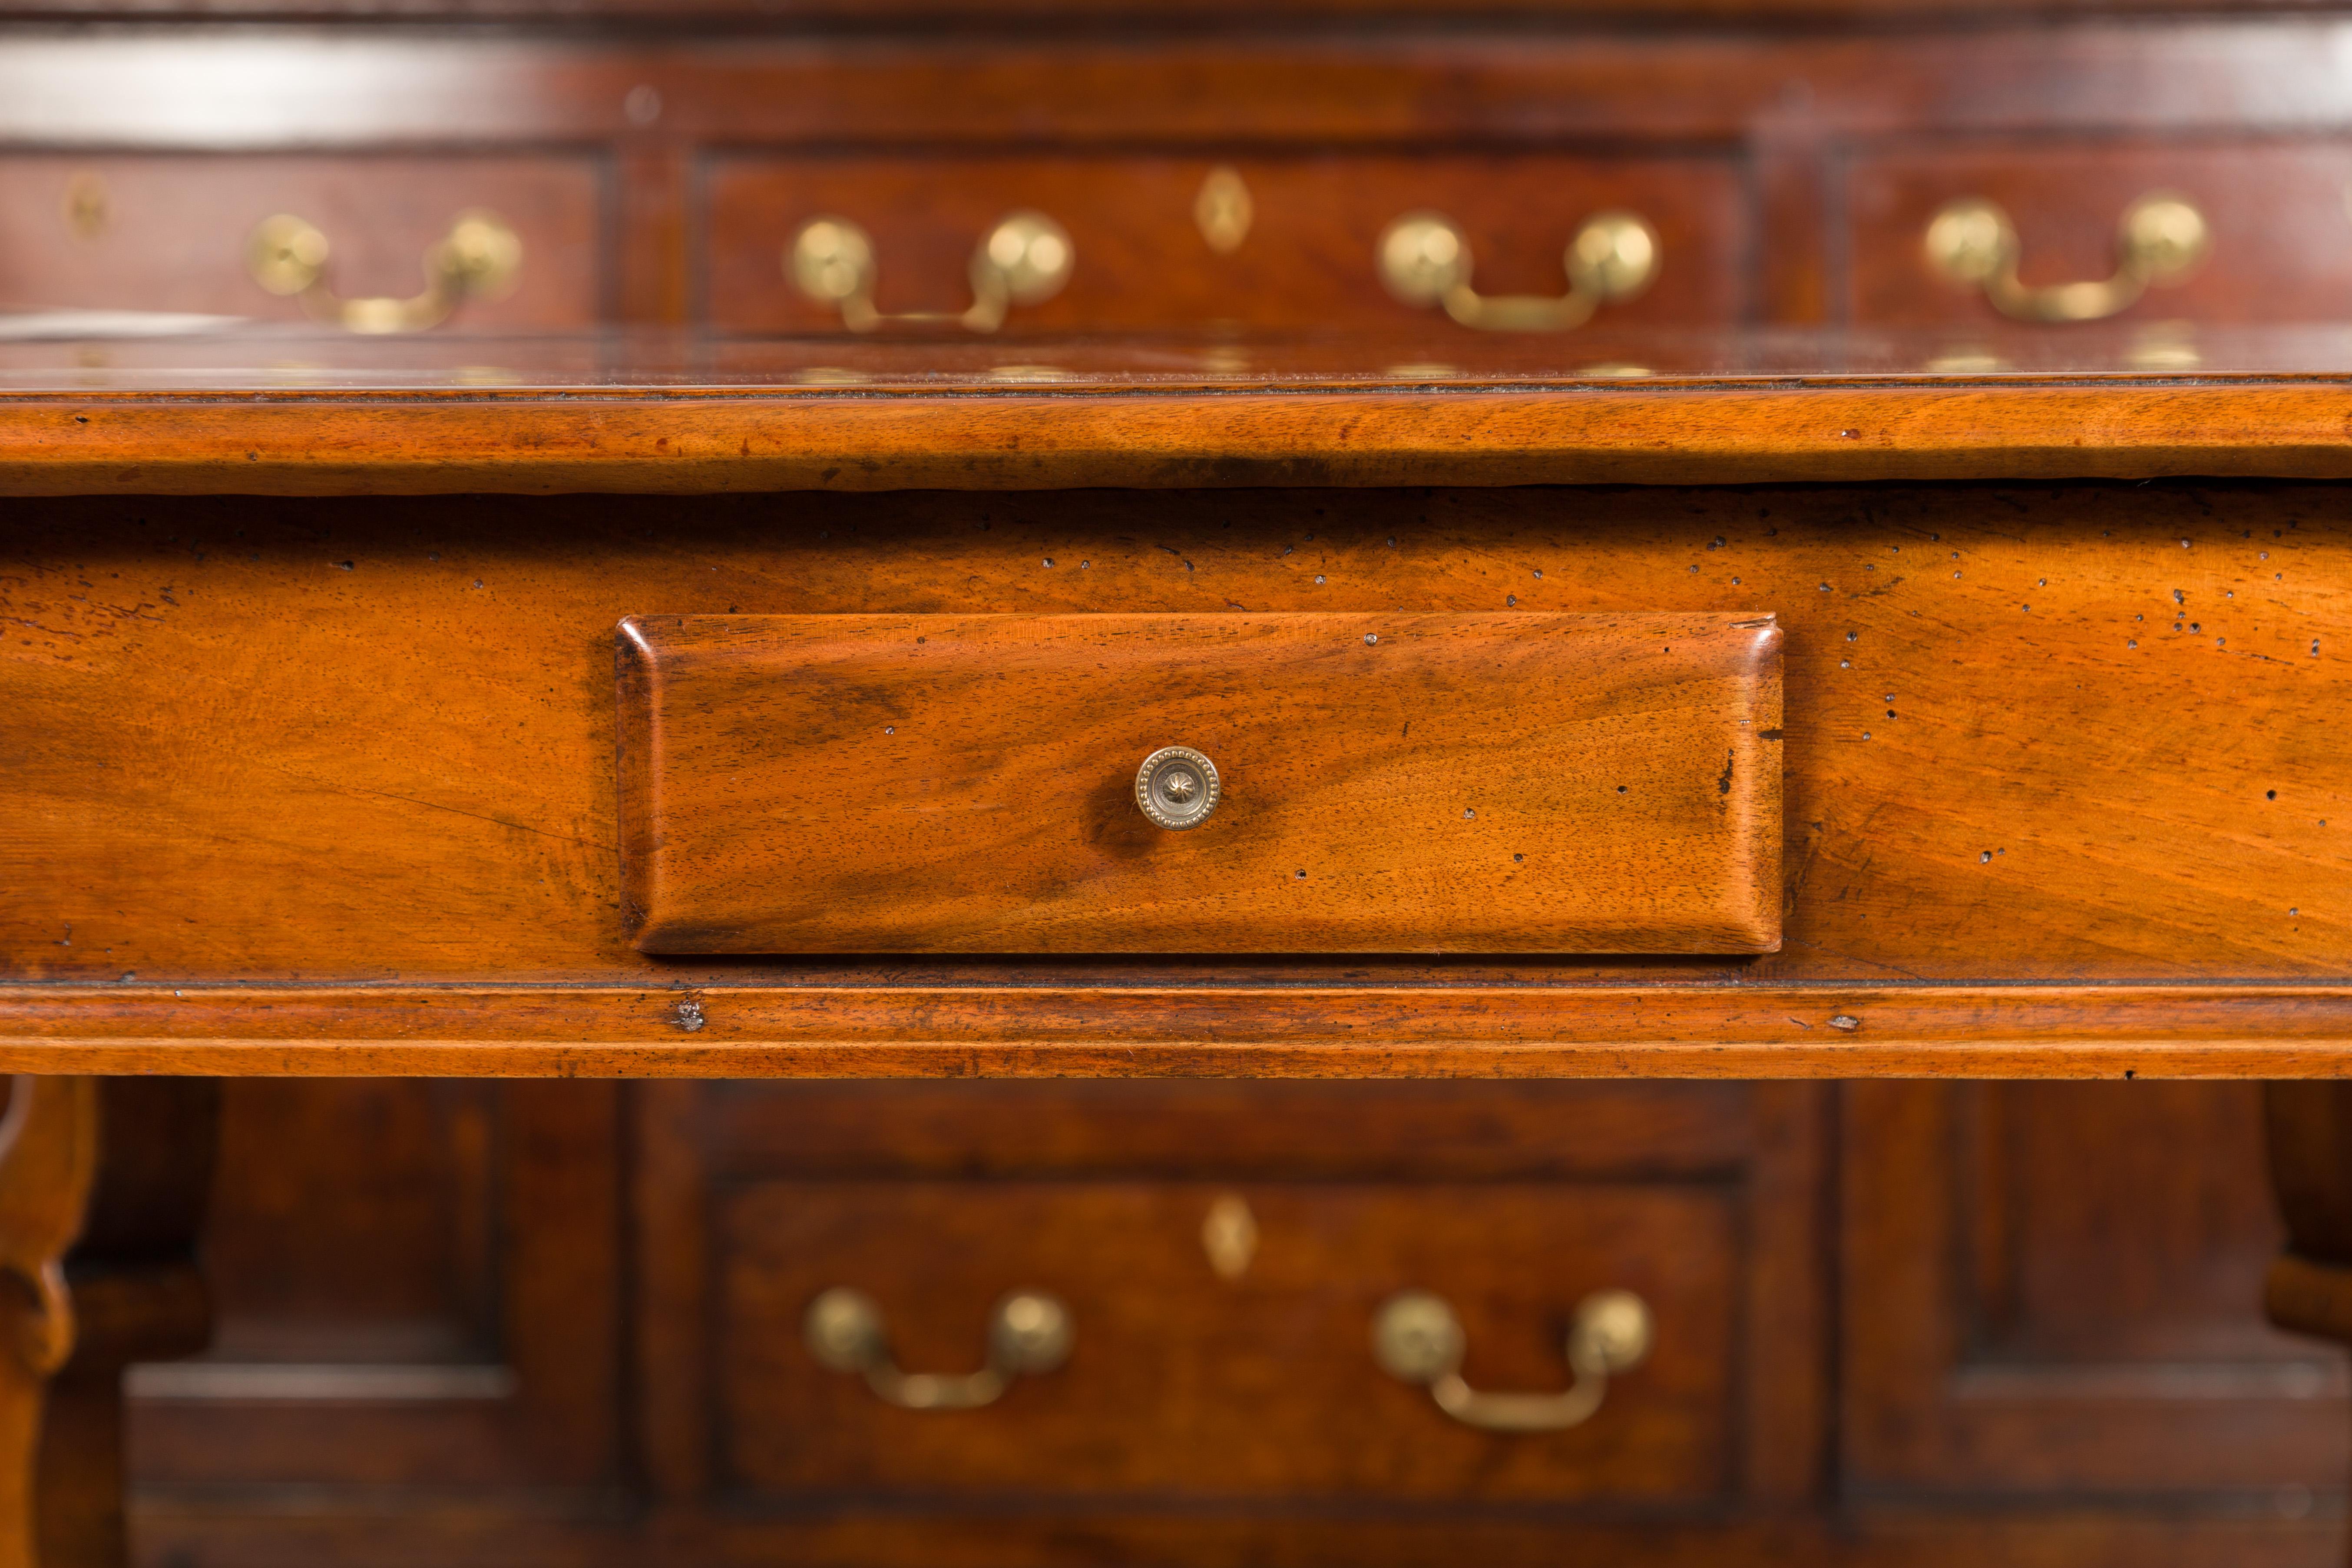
2041,1297
419,1293
171,232
398,728
2310,1285
946,784
1181,1384
2278,207
1791,169
1196,1022
102,1194
938,1197
49,1160
323,442
368,826
1306,259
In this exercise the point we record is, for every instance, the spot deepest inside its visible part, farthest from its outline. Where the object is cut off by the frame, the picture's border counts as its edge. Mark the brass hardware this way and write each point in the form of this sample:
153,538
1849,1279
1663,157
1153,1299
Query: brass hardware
1024,260
1424,259
1028,1332
478,258
1229,1236
1223,210
84,205
1176,787
2159,240
1417,1338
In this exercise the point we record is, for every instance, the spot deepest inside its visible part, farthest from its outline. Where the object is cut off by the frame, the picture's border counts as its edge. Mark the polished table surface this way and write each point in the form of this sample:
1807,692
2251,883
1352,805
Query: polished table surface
265,411
311,721
261,414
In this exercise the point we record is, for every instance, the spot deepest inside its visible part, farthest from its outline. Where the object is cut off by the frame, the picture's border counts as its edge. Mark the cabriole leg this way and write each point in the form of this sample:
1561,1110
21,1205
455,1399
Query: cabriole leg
103,1187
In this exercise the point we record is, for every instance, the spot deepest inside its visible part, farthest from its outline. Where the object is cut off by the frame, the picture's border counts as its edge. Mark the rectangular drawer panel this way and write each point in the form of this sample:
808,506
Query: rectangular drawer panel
1142,252
2280,247
1178,1379
1382,783
157,232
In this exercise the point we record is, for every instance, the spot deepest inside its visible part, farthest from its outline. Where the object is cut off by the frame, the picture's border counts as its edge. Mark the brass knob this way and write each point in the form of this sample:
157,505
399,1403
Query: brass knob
1025,259
1424,259
1029,1332
479,258
2159,240
1417,1338
1178,787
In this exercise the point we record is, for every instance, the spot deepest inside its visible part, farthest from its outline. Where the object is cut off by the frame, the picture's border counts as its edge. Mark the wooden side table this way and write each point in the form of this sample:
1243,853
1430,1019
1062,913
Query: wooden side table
316,761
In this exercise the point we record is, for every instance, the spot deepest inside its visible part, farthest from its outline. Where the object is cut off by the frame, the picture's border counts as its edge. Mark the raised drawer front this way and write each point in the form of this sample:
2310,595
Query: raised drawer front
1288,242
2245,233
1235,782
181,233
1222,1340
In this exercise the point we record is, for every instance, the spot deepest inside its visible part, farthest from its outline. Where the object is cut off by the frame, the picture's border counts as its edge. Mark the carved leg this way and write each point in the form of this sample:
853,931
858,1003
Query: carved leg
103,1185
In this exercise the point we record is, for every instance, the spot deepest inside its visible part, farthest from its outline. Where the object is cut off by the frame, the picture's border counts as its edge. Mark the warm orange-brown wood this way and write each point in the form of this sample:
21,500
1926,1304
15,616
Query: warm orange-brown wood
2012,754
440,442
2035,1357
1201,1026
241,759
1386,783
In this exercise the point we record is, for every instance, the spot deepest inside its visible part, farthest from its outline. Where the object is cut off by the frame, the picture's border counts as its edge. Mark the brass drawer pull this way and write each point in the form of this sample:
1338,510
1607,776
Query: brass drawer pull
1024,260
1417,1338
1176,787
1424,259
478,258
1028,1332
2159,240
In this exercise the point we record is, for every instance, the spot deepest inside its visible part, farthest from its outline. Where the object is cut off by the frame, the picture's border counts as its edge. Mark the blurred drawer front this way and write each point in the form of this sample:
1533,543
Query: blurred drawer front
175,233
1362,783
2278,243
1285,242
1184,1375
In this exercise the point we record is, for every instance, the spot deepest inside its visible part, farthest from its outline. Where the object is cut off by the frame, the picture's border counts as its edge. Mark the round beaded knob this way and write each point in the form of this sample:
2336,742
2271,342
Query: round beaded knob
1176,787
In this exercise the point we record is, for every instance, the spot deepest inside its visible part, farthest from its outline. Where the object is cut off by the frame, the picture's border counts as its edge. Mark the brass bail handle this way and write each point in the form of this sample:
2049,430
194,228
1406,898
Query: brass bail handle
1417,1338
479,258
1029,1332
1424,259
2159,240
1025,259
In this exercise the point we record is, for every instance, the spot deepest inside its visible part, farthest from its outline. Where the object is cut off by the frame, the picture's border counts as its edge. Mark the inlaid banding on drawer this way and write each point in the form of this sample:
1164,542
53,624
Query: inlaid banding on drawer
1383,783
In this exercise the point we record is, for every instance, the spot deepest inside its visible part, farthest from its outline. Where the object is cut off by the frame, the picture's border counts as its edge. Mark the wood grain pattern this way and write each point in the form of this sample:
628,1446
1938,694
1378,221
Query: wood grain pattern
324,445
1290,1030
263,765
1390,784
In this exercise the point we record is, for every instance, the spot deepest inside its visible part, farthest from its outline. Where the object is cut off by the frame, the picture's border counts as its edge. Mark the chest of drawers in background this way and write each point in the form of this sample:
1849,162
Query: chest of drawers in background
468,1318
1788,172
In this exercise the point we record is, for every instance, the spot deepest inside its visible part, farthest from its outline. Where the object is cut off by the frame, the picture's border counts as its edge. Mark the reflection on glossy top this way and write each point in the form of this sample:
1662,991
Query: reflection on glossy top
83,351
